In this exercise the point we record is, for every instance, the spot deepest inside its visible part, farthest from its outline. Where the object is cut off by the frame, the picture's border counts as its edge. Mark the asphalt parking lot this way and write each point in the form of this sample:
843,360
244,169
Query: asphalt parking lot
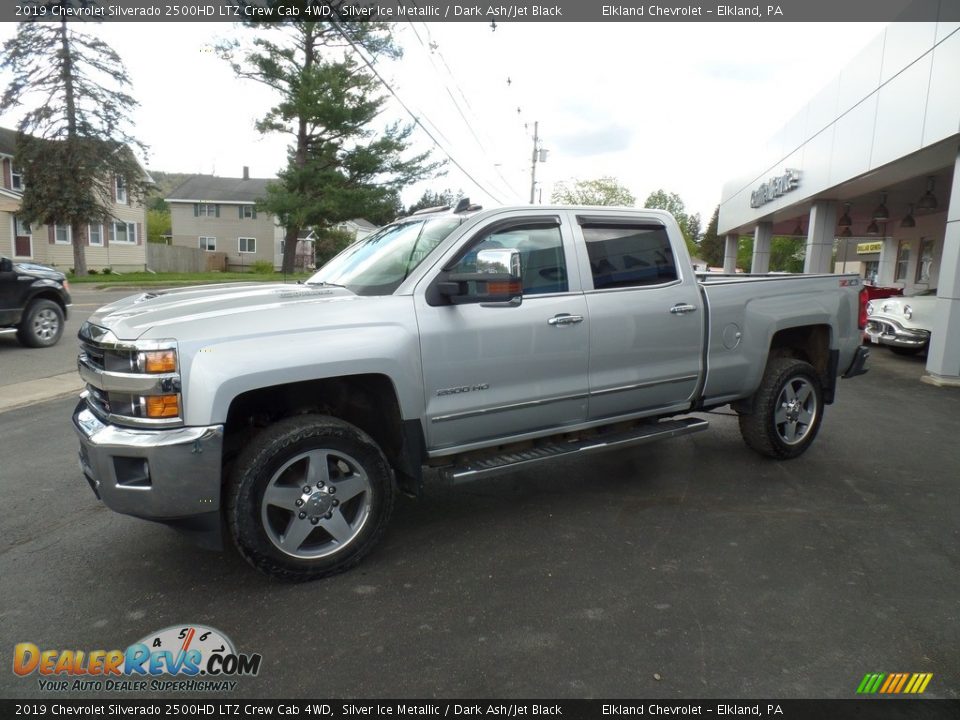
689,568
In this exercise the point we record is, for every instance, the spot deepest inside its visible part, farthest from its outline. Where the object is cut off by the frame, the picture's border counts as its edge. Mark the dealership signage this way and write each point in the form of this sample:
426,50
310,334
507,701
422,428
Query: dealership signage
866,248
775,187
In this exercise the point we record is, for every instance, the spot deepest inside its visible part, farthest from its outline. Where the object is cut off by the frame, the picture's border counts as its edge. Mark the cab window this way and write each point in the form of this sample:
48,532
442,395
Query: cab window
542,260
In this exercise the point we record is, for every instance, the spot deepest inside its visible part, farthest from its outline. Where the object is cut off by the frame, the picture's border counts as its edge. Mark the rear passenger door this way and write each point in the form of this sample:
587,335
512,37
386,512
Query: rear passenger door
646,316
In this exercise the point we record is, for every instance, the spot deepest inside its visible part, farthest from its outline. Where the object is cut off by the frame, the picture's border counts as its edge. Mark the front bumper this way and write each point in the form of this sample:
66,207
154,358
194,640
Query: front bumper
886,331
170,475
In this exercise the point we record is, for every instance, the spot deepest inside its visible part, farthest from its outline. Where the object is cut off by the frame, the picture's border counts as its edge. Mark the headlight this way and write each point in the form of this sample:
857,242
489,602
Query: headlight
870,307
907,311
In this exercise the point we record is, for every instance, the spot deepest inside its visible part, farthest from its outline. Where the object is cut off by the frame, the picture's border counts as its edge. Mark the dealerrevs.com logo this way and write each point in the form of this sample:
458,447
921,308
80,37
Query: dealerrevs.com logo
187,658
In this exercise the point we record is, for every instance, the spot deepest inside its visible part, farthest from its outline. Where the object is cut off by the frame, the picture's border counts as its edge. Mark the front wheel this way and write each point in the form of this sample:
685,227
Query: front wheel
787,410
309,497
41,325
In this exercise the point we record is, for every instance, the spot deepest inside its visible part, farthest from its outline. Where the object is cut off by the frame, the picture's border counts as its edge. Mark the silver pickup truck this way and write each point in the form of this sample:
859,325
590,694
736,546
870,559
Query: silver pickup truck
467,342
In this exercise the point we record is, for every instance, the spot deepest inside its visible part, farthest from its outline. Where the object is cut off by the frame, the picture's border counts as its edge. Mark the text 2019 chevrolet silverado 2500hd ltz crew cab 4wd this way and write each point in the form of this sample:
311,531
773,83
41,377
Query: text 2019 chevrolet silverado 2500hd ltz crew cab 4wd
470,343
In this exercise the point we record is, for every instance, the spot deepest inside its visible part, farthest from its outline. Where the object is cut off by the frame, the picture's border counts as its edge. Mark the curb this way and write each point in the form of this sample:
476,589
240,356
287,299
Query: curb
19,395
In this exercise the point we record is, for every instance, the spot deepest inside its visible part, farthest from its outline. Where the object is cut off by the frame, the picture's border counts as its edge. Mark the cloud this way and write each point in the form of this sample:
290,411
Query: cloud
597,141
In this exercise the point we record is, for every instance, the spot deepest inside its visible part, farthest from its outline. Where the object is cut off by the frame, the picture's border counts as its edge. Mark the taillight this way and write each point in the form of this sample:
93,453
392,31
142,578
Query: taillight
862,316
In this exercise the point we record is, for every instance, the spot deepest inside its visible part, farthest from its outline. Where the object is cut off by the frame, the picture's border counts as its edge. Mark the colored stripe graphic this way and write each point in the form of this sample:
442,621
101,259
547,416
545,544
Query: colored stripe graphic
871,683
894,683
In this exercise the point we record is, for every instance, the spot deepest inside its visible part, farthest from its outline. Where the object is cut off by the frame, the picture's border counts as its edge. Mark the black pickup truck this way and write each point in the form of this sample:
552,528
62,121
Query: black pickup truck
34,299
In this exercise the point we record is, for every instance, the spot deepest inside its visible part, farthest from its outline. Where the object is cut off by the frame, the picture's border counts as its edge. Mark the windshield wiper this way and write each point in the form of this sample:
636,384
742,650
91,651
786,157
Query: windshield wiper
324,282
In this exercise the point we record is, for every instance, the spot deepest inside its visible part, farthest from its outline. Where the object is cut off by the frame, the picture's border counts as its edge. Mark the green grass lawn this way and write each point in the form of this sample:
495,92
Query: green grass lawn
145,278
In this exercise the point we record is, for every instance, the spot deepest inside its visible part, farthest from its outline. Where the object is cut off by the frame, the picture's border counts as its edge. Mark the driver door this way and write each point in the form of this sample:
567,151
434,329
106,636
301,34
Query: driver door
502,371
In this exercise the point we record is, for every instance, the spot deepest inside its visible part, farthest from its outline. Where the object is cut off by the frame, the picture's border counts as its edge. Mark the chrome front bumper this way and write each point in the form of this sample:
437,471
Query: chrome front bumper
164,475
890,332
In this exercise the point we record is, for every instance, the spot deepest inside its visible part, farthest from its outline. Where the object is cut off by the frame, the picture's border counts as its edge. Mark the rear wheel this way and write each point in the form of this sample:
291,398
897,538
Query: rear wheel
41,325
786,410
309,497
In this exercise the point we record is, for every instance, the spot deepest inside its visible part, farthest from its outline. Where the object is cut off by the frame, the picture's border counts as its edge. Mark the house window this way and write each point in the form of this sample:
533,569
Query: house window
124,233
16,179
903,261
208,243
121,190
61,234
925,260
248,211
95,233
206,210
248,245
22,228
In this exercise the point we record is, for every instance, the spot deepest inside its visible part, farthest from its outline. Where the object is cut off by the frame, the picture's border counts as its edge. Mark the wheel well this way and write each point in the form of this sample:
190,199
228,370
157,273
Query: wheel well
367,401
47,295
810,343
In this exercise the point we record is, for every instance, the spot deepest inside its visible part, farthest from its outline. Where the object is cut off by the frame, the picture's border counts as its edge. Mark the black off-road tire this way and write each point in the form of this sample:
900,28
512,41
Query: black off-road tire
763,429
41,325
261,465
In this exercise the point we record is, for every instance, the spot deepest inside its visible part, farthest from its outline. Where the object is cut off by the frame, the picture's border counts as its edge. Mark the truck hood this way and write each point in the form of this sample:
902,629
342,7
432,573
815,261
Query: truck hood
190,311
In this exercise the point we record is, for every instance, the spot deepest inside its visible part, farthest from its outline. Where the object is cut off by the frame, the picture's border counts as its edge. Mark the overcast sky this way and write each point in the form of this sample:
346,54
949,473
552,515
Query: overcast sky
658,105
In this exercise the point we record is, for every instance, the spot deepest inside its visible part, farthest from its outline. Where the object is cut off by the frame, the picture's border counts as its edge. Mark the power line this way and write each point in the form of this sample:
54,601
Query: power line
409,112
431,48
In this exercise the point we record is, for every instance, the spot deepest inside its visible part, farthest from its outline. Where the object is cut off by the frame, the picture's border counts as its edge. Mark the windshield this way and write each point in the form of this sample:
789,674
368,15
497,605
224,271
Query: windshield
378,264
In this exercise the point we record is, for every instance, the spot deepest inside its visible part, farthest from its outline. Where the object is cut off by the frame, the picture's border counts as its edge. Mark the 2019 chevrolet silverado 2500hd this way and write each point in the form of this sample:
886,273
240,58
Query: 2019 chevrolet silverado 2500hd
474,343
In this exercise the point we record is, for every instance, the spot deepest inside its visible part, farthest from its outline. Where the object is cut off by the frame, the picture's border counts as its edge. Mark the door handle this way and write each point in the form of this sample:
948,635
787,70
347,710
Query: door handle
683,309
565,319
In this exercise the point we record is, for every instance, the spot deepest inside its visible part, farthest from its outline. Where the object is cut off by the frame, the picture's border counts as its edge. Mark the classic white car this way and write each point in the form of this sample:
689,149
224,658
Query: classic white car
902,323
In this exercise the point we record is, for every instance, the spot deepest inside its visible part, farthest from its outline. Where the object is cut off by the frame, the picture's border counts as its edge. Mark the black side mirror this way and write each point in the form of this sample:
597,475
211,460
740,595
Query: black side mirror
498,279
6,265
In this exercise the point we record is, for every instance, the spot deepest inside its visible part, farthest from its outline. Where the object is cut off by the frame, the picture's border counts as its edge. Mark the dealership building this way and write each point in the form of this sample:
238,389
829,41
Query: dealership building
869,172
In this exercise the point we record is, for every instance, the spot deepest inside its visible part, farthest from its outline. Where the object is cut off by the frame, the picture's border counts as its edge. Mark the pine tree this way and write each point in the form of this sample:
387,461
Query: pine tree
711,246
338,166
72,143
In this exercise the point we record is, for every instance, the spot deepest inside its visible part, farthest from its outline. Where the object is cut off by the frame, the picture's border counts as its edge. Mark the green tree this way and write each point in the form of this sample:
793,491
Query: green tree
431,199
601,191
672,203
72,143
338,166
786,253
711,246
163,183
158,225
329,242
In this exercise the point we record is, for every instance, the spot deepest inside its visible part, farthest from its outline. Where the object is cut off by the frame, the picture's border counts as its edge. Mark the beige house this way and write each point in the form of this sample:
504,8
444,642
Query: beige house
118,243
219,214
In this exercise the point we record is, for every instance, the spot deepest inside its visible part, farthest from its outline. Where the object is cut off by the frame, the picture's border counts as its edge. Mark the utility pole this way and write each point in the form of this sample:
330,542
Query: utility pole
533,163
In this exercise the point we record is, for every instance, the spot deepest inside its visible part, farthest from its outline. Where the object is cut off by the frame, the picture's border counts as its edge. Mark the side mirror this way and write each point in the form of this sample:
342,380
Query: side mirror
497,280
6,265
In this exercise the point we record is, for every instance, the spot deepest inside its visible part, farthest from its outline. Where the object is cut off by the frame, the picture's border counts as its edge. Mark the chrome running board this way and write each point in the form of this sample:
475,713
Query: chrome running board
475,468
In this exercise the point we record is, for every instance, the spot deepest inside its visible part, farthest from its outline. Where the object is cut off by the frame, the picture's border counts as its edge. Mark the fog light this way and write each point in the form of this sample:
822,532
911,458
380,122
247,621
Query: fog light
163,406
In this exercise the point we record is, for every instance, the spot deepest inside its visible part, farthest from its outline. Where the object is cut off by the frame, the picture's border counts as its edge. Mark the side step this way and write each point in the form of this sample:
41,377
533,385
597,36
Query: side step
483,467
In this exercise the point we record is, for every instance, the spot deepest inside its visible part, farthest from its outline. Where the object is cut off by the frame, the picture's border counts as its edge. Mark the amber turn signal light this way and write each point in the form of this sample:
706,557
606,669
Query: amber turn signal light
159,361
163,406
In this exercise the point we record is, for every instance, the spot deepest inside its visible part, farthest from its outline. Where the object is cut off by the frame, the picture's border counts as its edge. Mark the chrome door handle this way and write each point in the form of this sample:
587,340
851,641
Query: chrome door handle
683,309
565,319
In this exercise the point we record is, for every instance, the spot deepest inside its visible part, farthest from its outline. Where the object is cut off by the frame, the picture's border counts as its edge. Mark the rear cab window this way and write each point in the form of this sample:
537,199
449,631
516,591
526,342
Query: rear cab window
625,255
